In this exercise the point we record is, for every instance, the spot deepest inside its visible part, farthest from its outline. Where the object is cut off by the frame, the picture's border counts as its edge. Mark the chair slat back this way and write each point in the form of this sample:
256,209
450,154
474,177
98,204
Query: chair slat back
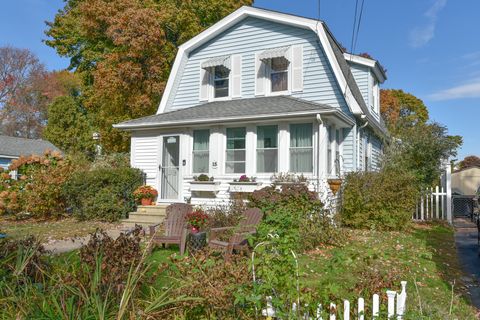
251,219
175,218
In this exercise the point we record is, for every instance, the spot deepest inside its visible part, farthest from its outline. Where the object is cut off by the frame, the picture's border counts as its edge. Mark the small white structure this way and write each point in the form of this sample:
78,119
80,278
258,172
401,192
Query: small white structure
466,181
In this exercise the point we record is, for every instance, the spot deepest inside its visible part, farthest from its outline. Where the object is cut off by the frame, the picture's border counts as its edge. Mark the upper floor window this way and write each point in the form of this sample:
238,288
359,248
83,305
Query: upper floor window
301,147
220,82
375,104
267,149
235,157
279,74
201,151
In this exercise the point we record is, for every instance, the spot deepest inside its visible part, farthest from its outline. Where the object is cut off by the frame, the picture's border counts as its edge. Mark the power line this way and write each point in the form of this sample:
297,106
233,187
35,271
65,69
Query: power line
358,26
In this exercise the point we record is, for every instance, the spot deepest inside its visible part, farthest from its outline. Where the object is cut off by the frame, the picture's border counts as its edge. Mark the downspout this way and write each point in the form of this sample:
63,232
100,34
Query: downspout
320,123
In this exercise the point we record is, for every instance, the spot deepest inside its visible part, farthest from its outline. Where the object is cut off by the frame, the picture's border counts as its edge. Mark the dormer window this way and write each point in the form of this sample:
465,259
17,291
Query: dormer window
279,74
220,81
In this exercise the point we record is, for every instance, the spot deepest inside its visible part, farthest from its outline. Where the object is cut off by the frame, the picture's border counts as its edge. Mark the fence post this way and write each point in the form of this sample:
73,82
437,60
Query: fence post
375,305
333,311
346,310
401,300
391,303
361,309
432,214
437,203
448,179
422,208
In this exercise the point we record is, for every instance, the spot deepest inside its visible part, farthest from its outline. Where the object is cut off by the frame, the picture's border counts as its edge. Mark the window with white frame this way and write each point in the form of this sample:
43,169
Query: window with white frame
301,147
201,143
220,81
279,74
337,152
375,105
235,153
267,149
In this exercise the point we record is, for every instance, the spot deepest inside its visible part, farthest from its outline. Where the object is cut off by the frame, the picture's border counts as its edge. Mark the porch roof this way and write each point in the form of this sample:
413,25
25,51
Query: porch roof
235,110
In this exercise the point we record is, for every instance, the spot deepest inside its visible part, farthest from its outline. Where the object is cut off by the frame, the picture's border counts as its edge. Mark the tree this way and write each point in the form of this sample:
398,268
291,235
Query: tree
68,126
22,105
124,51
421,150
468,162
401,110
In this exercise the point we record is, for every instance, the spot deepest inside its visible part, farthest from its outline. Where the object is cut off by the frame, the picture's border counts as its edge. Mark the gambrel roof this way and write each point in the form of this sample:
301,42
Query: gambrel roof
333,52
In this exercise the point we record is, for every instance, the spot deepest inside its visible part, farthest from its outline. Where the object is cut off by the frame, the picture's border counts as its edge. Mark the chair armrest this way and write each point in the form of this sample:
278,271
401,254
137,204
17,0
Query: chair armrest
214,232
152,228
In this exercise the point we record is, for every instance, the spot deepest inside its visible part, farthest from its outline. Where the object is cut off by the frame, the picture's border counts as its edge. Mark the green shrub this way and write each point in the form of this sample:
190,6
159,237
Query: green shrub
382,200
296,214
103,194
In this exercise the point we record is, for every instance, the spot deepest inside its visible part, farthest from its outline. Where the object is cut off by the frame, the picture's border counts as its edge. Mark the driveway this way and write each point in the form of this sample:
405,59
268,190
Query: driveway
468,254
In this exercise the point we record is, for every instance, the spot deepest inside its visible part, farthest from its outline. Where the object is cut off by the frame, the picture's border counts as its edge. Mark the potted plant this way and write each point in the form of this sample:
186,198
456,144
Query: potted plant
288,179
244,184
145,195
335,185
197,220
203,183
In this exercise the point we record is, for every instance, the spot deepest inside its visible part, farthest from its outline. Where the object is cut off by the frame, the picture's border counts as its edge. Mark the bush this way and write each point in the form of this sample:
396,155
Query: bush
103,194
382,200
296,214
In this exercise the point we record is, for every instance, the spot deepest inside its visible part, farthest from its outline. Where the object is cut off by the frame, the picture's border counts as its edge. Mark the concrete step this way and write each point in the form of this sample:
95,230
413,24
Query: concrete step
127,223
152,209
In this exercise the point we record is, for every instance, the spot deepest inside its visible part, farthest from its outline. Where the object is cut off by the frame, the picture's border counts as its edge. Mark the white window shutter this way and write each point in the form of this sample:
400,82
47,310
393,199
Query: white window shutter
297,68
236,76
204,84
259,77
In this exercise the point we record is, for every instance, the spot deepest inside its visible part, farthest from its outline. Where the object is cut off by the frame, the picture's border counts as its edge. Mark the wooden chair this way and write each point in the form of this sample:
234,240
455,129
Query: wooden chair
175,226
238,239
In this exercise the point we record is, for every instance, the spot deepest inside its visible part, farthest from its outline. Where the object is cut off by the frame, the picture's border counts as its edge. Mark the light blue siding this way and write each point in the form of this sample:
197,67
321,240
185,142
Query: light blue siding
361,75
348,149
255,35
376,152
5,162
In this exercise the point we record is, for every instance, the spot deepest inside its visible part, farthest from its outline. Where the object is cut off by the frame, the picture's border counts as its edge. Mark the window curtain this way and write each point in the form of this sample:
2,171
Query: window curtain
201,150
267,149
301,150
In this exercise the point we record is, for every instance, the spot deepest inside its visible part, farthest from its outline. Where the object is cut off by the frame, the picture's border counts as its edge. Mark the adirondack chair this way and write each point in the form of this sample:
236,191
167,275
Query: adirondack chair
238,240
175,227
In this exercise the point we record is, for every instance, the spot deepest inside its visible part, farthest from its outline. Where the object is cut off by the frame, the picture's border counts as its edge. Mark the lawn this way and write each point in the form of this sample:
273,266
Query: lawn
373,261
51,229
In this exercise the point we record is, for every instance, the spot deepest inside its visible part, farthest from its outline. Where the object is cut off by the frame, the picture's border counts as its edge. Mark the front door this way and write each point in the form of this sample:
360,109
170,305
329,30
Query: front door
169,168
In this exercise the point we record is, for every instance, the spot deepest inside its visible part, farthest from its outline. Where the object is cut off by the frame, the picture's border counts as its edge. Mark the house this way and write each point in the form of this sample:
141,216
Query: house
258,93
12,148
466,181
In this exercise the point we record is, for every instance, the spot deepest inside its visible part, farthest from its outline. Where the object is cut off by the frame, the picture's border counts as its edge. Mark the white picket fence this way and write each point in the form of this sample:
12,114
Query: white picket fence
432,205
396,306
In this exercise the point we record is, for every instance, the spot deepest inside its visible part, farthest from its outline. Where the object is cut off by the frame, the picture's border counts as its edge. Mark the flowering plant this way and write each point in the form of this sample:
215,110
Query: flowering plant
145,192
245,178
197,219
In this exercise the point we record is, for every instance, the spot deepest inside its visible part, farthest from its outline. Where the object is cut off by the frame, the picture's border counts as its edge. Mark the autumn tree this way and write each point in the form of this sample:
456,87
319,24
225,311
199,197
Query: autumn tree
124,51
401,110
468,162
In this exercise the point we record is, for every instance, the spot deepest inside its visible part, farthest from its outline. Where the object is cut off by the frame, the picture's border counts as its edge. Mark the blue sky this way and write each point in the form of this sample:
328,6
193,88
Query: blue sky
431,48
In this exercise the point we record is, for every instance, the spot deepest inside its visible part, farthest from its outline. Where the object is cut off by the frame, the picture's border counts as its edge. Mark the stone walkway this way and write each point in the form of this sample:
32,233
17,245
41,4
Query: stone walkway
468,254
66,245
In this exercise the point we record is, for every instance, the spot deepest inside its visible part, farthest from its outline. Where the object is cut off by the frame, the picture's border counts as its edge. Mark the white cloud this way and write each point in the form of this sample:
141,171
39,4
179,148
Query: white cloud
421,35
470,89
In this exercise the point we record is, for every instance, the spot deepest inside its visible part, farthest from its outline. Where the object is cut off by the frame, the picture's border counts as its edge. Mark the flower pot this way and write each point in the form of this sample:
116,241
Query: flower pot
146,202
335,185
197,241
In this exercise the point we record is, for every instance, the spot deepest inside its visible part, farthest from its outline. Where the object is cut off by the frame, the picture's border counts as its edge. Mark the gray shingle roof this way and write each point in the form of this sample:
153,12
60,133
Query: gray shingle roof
232,109
352,84
15,147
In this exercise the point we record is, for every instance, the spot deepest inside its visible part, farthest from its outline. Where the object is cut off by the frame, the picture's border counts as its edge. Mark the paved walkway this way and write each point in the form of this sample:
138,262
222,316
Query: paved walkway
468,254
61,246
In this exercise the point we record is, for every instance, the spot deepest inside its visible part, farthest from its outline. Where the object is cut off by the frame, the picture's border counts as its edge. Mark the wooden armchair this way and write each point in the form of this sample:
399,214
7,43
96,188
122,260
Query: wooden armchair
175,227
238,239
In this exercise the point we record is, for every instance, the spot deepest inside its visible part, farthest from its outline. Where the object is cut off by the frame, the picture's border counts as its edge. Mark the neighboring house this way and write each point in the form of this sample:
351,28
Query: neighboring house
258,93
466,181
12,148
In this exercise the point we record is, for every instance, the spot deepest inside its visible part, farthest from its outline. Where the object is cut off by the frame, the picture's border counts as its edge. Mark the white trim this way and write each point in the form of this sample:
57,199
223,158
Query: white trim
9,157
283,18
373,64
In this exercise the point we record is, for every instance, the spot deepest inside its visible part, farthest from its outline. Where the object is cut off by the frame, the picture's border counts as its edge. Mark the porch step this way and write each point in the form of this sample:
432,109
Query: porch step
146,216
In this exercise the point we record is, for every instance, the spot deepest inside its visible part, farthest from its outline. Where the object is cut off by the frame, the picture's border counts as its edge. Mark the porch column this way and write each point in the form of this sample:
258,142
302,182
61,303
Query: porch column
322,151
283,148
